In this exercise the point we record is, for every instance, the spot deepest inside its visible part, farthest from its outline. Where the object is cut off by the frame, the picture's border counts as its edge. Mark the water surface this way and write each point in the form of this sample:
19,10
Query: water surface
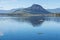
13,28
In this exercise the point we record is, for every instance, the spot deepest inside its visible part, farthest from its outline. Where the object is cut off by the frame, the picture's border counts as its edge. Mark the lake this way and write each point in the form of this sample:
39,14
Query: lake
14,28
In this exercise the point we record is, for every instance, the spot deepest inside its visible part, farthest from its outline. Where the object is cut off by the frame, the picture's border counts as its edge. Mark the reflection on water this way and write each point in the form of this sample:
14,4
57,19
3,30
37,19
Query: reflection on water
32,28
35,21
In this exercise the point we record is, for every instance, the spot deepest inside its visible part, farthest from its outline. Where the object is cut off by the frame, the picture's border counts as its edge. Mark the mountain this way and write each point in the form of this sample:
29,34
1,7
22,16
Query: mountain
34,9
57,10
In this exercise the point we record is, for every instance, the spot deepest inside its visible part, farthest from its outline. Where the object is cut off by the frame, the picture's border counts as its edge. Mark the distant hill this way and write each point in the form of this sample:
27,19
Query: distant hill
34,9
4,11
57,10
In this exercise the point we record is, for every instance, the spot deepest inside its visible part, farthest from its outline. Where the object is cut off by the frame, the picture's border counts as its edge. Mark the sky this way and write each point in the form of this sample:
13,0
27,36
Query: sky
12,4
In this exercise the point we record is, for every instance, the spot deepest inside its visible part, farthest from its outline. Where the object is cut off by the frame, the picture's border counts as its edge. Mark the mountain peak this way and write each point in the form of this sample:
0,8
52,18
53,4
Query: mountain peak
36,6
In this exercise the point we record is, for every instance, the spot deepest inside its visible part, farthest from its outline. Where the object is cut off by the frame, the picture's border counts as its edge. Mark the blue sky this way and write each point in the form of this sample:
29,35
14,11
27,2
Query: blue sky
11,4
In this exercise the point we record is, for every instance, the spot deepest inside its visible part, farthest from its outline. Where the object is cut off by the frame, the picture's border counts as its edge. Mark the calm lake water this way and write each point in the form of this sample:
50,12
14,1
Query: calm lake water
19,29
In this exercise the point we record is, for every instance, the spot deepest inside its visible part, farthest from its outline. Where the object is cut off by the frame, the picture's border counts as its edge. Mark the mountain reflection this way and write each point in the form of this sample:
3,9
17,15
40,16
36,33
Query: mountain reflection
36,20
